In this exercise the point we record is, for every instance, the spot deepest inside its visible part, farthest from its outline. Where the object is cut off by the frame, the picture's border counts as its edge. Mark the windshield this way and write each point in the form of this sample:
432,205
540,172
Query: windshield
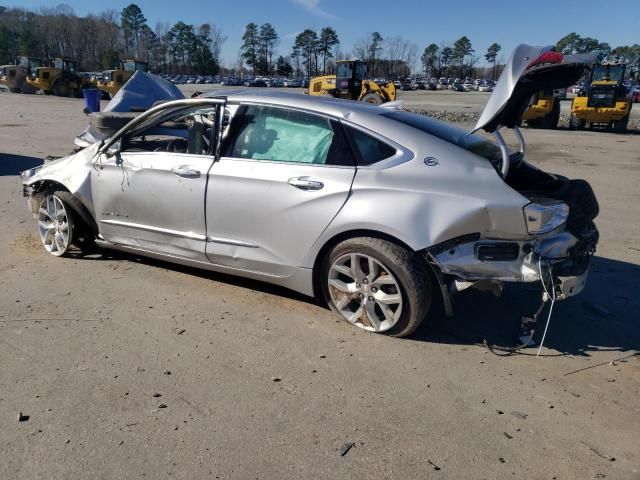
608,73
470,142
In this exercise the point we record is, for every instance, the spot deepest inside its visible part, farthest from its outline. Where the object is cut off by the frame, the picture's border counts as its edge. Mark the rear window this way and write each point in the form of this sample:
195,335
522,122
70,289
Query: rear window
370,149
473,143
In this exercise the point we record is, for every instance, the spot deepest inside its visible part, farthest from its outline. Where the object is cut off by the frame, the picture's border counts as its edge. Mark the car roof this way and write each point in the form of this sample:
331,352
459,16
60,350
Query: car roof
326,105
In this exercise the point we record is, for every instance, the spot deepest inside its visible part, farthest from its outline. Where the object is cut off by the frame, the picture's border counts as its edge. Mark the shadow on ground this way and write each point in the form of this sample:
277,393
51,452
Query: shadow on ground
14,164
601,318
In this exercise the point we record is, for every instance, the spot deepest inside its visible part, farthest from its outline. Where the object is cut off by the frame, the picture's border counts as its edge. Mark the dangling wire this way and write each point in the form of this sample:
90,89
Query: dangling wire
551,296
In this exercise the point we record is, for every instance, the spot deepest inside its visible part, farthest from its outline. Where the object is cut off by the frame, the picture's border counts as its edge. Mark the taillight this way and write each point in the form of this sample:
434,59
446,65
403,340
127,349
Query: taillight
547,57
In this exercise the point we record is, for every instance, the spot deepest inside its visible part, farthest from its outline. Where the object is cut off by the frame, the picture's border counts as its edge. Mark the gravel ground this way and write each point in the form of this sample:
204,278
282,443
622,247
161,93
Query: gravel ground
115,366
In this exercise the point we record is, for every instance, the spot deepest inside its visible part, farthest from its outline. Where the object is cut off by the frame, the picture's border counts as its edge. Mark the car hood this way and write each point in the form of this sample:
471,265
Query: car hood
529,70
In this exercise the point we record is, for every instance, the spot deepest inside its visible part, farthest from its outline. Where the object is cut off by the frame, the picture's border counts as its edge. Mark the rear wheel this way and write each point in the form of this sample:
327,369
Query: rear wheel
61,89
14,90
376,285
373,98
620,125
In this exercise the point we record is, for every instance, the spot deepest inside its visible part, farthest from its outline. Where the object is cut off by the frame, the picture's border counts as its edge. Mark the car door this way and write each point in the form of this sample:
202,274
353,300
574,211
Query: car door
283,176
150,193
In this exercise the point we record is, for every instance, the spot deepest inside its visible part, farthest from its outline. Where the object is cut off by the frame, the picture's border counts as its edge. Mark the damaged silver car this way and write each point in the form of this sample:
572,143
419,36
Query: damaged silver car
376,211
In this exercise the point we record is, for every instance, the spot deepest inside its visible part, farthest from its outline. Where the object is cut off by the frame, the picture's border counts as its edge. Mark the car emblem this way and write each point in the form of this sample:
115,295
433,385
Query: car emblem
431,161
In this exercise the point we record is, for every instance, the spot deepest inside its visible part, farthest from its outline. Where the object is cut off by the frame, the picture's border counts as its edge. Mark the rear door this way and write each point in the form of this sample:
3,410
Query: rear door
283,176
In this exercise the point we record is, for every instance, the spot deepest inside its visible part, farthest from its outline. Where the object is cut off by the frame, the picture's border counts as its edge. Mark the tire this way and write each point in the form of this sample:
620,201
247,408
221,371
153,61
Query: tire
14,90
56,224
576,123
373,98
85,230
553,118
397,293
620,126
61,89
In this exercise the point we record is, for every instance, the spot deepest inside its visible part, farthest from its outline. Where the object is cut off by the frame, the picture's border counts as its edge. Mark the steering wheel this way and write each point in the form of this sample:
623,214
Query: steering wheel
176,145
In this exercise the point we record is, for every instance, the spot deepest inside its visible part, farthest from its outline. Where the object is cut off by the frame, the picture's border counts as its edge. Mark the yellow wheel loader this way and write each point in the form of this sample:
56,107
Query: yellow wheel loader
605,103
113,80
350,83
61,79
15,76
544,111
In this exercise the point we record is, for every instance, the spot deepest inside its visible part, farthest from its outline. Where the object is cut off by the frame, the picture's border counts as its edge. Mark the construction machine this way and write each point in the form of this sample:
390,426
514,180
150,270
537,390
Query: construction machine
350,83
604,102
15,76
113,80
61,79
544,110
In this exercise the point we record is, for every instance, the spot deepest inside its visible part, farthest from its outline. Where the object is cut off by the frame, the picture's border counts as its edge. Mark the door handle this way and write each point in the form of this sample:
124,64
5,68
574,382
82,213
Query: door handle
185,171
306,183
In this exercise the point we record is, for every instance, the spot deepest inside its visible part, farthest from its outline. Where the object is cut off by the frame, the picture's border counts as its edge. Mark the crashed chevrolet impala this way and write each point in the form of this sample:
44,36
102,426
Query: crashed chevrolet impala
375,210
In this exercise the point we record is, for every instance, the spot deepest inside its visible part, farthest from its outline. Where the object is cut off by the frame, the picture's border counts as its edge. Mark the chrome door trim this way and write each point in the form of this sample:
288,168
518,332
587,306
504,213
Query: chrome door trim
149,228
230,241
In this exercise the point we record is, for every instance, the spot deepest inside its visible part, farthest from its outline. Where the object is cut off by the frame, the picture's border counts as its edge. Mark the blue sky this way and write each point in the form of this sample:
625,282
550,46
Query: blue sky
508,23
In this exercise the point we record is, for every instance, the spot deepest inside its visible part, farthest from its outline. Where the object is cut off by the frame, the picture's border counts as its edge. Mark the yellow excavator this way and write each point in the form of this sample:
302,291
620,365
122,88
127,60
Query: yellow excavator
350,83
15,76
61,79
605,102
544,111
113,80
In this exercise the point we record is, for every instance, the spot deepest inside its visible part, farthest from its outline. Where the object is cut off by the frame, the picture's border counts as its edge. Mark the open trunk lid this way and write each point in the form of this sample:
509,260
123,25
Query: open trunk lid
529,70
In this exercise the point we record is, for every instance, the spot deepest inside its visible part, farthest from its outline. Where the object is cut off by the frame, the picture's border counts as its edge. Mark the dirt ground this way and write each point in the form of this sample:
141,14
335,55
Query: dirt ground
133,368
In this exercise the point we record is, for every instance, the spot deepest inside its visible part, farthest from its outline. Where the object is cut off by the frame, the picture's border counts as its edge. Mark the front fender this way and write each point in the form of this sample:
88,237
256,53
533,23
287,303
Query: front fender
73,172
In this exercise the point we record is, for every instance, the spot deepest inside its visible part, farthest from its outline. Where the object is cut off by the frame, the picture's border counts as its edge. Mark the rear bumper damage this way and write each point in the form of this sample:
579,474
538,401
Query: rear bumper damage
559,258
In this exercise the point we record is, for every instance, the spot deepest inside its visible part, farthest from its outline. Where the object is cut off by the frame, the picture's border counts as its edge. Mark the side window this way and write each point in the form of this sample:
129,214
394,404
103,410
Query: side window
278,134
371,149
186,131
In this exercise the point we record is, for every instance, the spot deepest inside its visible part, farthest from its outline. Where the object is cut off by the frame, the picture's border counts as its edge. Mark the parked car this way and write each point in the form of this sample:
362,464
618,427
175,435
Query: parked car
468,85
375,210
443,83
485,87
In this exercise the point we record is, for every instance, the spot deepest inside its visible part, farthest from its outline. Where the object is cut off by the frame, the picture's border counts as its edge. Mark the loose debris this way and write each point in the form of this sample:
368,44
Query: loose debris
509,437
346,447
156,395
162,405
435,467
519,415
276,379
22,417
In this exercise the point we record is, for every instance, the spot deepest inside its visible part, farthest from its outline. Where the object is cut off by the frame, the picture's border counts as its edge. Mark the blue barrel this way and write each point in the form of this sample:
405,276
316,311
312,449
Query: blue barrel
92,99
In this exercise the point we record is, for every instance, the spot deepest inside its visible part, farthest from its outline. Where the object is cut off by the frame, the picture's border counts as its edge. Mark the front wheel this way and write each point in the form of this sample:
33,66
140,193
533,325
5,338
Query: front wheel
377,285
55,224
576,123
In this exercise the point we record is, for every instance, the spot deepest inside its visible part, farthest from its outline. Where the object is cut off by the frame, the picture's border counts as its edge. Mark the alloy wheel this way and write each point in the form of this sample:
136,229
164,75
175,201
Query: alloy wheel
365,292
54,225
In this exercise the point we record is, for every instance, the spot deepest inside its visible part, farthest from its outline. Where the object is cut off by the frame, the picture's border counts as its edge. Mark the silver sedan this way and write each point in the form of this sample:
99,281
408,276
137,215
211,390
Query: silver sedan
376,211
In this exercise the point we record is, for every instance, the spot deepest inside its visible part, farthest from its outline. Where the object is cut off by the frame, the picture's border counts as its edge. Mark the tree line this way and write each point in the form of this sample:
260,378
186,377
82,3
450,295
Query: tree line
99,41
